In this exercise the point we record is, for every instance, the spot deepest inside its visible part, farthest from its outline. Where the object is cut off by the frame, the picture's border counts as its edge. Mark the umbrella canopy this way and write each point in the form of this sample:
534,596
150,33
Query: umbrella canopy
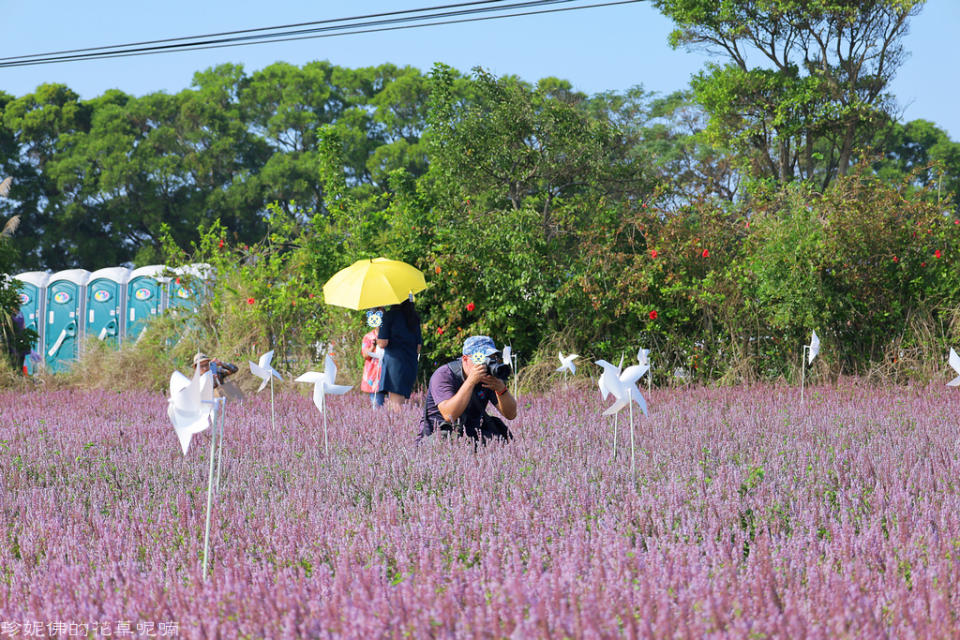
373,283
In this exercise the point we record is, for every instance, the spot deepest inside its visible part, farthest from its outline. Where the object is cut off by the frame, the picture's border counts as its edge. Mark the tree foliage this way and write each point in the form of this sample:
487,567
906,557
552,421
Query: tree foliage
806,82
717,226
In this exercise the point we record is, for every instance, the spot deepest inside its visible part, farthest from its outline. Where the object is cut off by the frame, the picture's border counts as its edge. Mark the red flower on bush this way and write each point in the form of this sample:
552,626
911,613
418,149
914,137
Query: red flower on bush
221,244
923,264
937,254
705,254
471,306
653,315
653,254
895,259
311,295
439,331
250,300
956,222
436,270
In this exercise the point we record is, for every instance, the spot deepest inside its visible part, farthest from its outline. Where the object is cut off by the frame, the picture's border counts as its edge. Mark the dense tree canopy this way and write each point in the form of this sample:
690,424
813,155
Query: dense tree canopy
720,224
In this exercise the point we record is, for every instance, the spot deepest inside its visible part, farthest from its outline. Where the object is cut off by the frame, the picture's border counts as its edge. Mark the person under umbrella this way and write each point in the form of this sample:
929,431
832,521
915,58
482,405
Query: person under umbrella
401,339
371,359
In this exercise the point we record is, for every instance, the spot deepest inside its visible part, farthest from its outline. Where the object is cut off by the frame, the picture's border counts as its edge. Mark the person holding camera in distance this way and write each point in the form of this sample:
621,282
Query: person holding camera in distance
459,392
219,368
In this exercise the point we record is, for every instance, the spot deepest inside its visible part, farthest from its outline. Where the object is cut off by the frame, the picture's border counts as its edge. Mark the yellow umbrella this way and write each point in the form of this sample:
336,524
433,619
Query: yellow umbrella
373,283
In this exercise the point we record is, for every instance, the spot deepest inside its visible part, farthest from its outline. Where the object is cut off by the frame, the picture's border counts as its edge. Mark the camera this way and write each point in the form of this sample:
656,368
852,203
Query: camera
497,368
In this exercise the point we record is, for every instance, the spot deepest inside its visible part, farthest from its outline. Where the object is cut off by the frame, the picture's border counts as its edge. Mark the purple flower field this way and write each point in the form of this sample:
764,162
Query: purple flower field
749,517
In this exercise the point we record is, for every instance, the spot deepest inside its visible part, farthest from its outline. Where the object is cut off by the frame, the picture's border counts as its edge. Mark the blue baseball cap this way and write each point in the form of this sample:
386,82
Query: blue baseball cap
483,345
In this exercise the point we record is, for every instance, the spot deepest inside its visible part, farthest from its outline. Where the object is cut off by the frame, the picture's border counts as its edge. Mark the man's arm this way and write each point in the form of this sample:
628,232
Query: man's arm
453,408
506,403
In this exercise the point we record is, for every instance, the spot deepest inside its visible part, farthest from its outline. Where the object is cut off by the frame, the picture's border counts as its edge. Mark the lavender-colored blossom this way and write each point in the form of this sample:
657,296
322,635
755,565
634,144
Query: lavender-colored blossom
750,516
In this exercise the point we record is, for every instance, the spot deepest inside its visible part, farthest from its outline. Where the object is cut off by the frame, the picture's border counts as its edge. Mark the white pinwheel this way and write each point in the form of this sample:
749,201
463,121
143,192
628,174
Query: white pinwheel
566,363
324,384
265,371
190,405
513,359
814,348
623,386
811,350
643,357
955,363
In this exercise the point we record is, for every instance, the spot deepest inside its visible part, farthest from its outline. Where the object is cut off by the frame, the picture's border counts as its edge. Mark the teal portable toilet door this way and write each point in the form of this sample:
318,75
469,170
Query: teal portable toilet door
32,290
64,324
144,299
189,287
104,309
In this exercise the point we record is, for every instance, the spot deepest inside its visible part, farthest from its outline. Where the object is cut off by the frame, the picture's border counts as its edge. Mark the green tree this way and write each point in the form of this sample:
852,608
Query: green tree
806,82
923,151
40,122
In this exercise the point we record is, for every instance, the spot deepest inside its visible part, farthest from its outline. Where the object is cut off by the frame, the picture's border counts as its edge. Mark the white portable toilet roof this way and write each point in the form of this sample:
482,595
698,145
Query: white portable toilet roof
36,278
197,269
151,270
77,276
116,274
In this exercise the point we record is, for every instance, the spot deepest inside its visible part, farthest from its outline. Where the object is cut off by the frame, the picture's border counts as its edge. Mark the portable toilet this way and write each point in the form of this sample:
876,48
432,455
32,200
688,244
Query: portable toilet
64,311
189,286
144,299
33,286
106,295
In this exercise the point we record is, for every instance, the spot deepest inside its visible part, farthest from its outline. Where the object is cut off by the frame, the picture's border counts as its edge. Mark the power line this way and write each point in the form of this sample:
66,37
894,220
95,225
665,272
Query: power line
254,30
277,36
102,53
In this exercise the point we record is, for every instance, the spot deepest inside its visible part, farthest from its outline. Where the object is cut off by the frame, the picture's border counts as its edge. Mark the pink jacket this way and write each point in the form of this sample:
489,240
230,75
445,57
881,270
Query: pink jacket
371,366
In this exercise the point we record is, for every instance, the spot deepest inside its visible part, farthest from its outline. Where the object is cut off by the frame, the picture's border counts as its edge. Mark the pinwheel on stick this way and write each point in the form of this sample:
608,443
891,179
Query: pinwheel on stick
955,364
566,364
324,384
190,407
623,387
808,353
265,371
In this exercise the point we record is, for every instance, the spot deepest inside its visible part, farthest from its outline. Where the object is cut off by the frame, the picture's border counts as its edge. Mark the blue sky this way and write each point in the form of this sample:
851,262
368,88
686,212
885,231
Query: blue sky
611,48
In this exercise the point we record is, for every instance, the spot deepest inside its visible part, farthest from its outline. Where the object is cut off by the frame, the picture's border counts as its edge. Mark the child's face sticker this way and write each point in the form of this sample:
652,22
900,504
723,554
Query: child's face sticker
374,318
479,358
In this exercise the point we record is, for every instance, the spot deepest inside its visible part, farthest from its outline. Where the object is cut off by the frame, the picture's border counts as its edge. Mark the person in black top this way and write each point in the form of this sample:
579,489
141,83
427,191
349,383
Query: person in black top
401,339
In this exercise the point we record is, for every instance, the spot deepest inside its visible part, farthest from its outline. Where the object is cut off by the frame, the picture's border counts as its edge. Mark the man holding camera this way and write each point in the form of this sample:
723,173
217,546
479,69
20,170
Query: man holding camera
459,392
219,368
